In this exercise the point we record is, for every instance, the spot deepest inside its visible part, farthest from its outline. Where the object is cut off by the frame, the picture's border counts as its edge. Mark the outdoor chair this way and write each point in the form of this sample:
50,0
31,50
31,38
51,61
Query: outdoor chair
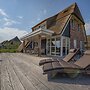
70,56
81,66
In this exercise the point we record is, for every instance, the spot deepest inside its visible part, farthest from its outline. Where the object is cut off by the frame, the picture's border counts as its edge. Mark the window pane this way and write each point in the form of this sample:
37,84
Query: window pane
58,42
48,50
52,42
58,39
52,49
48,42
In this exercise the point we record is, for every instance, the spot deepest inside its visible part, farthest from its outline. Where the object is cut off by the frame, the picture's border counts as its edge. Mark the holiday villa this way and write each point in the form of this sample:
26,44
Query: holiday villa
56,34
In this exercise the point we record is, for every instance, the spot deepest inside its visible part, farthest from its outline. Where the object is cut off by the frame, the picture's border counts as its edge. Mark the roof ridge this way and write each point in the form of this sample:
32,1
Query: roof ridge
72,10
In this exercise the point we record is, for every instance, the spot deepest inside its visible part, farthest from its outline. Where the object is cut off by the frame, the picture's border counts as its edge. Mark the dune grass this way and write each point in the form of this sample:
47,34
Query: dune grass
8,50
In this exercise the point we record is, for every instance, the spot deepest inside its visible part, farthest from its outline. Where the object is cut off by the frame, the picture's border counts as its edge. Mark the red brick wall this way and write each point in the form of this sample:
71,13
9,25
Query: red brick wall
75,34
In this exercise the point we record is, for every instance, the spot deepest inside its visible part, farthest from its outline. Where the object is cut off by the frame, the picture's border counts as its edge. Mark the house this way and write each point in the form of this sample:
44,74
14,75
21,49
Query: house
57,34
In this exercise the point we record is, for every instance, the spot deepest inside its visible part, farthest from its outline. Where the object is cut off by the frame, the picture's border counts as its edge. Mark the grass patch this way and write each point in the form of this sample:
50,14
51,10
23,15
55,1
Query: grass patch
8,50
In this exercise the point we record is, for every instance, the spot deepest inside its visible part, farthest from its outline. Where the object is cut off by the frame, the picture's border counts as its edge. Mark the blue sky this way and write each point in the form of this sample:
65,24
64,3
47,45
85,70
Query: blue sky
18,16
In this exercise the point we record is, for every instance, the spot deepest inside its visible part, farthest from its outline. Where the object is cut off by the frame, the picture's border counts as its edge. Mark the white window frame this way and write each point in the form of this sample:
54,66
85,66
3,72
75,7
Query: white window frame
75,43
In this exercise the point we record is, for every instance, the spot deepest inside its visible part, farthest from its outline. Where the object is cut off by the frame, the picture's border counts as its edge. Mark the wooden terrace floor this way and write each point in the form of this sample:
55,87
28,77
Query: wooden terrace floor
21,72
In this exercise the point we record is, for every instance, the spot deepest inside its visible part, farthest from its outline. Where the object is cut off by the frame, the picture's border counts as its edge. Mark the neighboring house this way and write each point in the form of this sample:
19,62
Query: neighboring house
10,44
57,34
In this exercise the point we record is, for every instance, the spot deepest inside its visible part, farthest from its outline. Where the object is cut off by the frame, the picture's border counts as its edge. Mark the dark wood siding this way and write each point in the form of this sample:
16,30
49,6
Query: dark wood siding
67,31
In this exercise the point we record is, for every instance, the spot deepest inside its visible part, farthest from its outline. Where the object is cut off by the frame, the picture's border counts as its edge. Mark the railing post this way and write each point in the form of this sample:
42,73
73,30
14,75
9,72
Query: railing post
39,45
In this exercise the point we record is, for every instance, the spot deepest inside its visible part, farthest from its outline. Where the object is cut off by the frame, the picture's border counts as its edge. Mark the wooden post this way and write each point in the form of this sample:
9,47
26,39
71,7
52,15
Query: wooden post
39,45
61,46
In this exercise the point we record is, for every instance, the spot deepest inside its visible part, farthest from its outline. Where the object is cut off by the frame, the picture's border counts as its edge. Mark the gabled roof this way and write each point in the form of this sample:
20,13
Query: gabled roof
57,26
77,12
58,21
72,9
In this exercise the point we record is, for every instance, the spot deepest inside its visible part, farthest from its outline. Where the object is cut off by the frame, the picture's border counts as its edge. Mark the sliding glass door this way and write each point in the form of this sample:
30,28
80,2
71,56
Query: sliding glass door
53,46
58,46
65,45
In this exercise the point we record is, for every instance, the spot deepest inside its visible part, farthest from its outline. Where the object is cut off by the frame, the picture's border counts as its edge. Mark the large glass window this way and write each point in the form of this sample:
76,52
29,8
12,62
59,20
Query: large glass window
48,50
49,42
53,45
58,43
66,45
52,50
53,42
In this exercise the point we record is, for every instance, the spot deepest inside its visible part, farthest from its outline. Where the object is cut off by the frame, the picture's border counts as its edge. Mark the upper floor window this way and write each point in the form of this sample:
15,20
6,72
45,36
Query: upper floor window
72,23
43,26
79,27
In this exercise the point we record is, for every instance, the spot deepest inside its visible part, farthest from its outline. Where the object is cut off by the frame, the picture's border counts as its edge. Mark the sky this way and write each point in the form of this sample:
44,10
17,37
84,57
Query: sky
17,17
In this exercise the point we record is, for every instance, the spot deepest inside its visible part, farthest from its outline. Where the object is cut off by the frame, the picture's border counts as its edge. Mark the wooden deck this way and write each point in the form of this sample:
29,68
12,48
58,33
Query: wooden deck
22,72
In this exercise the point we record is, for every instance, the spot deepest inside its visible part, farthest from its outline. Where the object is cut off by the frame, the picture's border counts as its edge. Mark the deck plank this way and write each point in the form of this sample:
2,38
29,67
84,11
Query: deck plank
63,86
31,77
5,80
25,81
22,72
36,73
14,78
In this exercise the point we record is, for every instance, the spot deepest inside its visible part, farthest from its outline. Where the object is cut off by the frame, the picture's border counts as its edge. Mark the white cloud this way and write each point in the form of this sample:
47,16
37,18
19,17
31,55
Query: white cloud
20,17
38,19
40,14
9,22
3,13
8,33
44,11
87,27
